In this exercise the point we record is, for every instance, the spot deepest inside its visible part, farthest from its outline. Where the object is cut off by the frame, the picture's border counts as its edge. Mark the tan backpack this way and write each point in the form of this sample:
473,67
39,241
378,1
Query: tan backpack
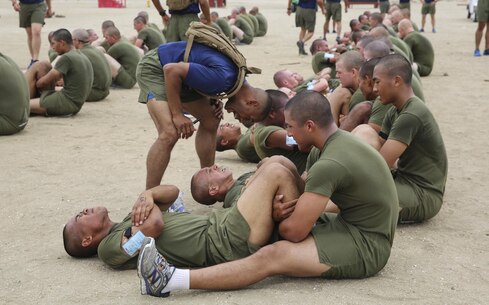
178,5
209,36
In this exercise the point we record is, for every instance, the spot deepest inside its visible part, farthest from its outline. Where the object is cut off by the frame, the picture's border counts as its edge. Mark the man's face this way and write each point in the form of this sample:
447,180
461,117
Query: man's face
244,108
110,39
57,46
90,220
229,131
138,26
322,46
215,175
373,22
298,132
292,79
347,78
383,85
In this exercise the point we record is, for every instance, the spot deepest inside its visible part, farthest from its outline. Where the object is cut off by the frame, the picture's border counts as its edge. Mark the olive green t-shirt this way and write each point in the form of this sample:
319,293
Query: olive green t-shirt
244,26
217,27
102,77
154,26
402,46
423,52
249,21
256,25
235,191
245,149
52,55
261,135
356,178
319,63
424,162
262,24
125,53
151,38
224,25
14,97
77,76
356,98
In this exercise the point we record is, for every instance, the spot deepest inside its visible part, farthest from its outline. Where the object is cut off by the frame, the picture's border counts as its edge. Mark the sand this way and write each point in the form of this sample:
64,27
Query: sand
57,166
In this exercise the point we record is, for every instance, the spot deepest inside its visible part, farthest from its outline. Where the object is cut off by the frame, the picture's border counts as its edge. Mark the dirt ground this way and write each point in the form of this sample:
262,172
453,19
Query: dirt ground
57,166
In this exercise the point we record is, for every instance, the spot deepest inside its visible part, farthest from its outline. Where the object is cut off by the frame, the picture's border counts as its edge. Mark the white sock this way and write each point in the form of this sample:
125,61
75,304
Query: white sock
179,280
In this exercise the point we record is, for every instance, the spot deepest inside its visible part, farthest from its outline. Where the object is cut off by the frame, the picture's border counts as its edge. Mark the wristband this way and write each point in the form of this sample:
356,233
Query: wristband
133,245
162,13
328,55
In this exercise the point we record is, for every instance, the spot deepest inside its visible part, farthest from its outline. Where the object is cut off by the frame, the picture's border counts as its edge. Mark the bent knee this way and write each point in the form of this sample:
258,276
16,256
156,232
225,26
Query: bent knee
168,136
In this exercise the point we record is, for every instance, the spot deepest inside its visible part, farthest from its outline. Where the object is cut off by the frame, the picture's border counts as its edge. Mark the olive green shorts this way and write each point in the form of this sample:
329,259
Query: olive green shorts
483,11
124,79
178,26
31,13
351,253
96,95
428,8
417,204
333,10
405,5
227,236
384,7
150,77
305,18
8,128
57,104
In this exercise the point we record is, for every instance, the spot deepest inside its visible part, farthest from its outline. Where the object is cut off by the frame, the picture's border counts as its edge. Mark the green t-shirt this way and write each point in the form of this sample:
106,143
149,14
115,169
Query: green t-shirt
245,150
235,191
356,178
14,97
125,53
217,27
261,135
262,24
424,162
256,25
403,47
224,25
319,63
105,45
154,26
151,38
249,21
356,98
244,26
102,77
52,55
423,52
77,76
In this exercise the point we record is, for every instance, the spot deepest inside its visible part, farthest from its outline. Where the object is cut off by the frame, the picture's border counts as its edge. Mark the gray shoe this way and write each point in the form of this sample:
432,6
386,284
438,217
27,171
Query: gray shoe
153,270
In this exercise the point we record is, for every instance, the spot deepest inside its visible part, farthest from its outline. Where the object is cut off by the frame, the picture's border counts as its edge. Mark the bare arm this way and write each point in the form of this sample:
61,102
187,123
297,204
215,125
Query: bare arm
391,151
49,12
204,7
139,43
307,210
277,140
49,80
162,196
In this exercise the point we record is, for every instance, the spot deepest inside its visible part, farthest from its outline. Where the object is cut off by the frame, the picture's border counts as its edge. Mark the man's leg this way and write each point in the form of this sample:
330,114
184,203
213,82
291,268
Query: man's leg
368,135
29,40
35,40
205,138
33,74
433,22
478,34
423,22
339,101
487,36
160,152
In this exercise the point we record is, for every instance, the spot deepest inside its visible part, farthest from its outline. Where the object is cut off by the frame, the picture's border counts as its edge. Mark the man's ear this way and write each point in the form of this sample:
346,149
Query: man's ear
224,142
213,190
397,81
310,125
86,241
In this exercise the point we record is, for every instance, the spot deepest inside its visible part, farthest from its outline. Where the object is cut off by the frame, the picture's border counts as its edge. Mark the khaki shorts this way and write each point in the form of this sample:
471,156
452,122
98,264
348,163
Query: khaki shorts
150,77
178,26
305,18
428,8
350,252
31,13
405,5
124,79
227,236
483,11
57,104
417,204
333,10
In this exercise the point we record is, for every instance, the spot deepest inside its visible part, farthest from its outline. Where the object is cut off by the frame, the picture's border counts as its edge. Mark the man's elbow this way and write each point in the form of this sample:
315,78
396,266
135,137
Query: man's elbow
292,234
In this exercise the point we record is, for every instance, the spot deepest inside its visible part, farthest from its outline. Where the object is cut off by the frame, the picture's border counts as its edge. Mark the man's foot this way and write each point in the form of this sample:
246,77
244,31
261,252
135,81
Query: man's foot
477,53
486,52
302,51
421,30
153,270
433,30
33,61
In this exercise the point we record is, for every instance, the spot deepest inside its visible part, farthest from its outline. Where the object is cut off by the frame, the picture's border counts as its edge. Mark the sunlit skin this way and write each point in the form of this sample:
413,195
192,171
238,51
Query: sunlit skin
345,77
383,85
91,221
298,132
229,131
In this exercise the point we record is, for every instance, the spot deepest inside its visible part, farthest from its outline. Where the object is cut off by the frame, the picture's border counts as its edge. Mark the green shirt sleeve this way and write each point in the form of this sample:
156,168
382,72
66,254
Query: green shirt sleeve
405,128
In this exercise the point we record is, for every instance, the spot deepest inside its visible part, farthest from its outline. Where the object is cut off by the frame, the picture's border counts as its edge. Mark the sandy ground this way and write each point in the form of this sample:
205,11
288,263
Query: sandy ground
57,166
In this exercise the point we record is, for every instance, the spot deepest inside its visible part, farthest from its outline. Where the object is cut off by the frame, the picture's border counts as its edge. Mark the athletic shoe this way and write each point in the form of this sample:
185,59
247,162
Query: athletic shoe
302,51
33,61
433,30
486,52
153,270
421,30
477,53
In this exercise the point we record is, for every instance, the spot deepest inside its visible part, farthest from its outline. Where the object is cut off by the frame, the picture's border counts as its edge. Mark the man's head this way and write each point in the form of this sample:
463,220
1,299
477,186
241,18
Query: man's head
80,38
392,8
227,137
355,25
363,19
347,68
319,45
391,74
92,35
202,18
356,36
378,32
278,100
214,16
145,15
307,115
234,13
363,42
287,78
375,19
376,48
112,35
254,10
242,10
62,41
211,184
396,17
249,105
83,232
139,23
406,13
107,24
366,79
405,27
